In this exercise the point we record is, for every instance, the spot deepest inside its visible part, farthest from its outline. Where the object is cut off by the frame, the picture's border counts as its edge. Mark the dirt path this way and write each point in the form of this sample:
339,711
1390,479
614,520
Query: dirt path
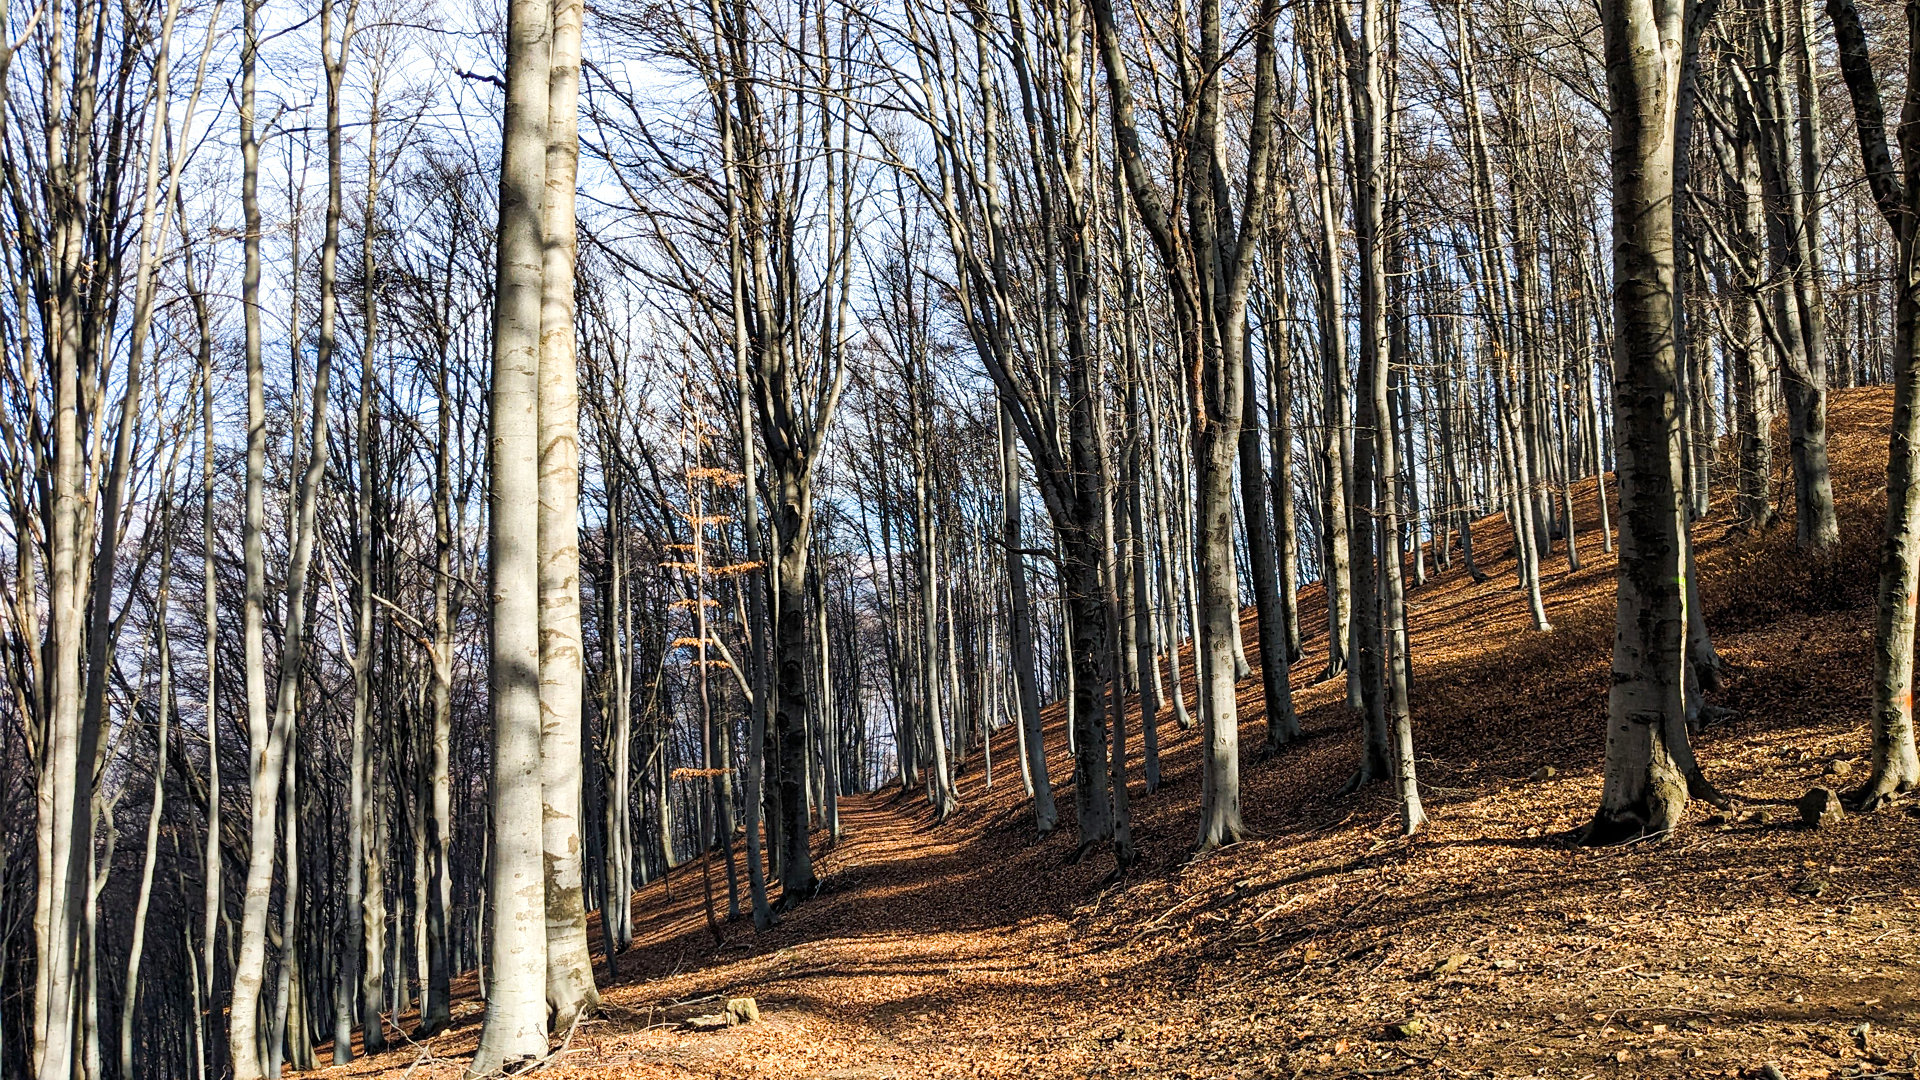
877,977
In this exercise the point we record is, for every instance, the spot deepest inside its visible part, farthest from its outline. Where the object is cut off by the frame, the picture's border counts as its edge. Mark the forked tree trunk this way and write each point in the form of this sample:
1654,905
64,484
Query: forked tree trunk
271,736
1387,742
1209,271
1791,165
64,790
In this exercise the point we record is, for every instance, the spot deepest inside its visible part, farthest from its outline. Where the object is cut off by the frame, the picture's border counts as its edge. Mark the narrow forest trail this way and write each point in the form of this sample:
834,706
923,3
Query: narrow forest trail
968,949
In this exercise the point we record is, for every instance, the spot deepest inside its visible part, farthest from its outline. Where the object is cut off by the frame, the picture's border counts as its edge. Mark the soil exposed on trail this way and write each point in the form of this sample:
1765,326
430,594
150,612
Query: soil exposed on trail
1326,945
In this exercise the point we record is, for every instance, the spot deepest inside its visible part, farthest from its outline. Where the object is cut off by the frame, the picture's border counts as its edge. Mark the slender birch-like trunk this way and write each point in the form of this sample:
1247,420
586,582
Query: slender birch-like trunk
435,1011
1020,635
243,1011
364,803
1337,446
163,713
1387,742
1896,766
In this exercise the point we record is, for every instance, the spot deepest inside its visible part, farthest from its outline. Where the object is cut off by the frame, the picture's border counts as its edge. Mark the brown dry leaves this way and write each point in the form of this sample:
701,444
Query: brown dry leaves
1328,947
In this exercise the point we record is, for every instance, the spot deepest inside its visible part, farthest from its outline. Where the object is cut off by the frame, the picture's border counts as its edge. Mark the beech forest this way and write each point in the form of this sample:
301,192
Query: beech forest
857,539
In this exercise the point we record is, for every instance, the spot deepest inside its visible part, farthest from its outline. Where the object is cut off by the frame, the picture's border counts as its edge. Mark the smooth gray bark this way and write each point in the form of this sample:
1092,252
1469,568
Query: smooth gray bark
515,1029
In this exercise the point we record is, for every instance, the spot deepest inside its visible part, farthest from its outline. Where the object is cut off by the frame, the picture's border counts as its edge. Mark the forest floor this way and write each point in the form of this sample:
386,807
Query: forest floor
1327,946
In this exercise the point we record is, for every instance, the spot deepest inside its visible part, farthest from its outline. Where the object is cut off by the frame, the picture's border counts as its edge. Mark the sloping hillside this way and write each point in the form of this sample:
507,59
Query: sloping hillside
1328,946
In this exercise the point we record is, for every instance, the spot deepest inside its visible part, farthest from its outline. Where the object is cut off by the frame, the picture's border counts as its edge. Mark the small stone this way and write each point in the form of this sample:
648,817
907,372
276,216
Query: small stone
1820,806
742,1010
1770,1071
1450,965
1545,772
1808,886
1840,768
1408,1029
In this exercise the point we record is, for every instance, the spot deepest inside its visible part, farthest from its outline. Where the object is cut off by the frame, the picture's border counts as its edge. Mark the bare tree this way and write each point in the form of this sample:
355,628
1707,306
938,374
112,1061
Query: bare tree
1896,191
1646,788
516,1023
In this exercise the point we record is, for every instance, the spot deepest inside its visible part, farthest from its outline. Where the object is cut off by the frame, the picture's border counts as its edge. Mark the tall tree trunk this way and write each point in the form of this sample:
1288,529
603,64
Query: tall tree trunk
797,881
1373,540
1336,577
1388,741
369,855
1209,270
210,614
1645,791
153,240
1791,166
1283,725
570,989
435,1012
163,713
940,789
64,790
515,1029
1020,634
1279,352
270,739
1896,767
762,704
